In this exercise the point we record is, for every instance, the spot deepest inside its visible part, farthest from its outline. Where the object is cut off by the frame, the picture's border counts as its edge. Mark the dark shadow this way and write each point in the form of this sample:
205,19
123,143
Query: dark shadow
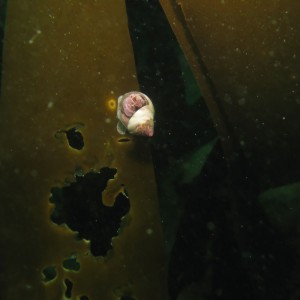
3,4
220,243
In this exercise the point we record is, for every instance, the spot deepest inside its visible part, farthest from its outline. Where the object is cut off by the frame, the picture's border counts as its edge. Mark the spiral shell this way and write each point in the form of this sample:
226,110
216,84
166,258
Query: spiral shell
135,113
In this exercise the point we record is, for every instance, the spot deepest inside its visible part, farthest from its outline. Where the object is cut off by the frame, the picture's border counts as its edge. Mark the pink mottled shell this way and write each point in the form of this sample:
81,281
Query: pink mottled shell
136,114
132,102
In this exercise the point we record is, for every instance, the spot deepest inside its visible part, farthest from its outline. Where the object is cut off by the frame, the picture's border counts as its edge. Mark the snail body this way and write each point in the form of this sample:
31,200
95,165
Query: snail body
135,113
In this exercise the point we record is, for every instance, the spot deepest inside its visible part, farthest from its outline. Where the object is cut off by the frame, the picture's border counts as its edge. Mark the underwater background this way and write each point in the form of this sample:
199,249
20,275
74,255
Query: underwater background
208,208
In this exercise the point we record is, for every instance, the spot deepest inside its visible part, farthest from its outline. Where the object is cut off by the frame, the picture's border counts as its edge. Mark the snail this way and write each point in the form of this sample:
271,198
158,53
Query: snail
135,113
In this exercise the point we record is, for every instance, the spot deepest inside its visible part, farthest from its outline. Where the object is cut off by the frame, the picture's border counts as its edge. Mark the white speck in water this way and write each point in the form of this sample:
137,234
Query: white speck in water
277,64
149,231
211,226
242,101
28,286
219,292
283,118
34,173
227,99
50,104
33,38
271,53
107,120
274,22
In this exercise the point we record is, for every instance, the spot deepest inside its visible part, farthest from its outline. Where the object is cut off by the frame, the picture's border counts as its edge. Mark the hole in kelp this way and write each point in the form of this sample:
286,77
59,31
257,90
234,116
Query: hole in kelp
75,138
49,273
73,135
69,286
127,298
79,205
124,140
84,298
71,263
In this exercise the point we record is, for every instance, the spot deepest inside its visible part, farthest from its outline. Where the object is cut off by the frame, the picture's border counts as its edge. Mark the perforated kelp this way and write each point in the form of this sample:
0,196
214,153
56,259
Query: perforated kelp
79,210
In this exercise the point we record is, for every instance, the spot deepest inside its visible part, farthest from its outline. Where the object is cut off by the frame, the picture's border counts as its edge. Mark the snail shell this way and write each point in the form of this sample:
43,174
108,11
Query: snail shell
135,113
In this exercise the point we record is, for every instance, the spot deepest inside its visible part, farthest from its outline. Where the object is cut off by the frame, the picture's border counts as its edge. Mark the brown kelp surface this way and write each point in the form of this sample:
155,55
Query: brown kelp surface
64,65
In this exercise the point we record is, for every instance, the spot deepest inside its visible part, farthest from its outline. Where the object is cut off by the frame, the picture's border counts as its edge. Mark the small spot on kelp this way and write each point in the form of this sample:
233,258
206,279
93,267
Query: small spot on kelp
124,140
71,264
69,286
49,273
79,205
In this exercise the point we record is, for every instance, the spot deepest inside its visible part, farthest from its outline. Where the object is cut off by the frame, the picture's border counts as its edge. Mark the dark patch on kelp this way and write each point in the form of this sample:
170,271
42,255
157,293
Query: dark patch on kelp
79,205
